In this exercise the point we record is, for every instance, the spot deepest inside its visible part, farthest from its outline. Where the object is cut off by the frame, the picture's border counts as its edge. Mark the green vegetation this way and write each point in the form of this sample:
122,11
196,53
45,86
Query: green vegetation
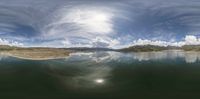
146,48
143,48
6,48
191,47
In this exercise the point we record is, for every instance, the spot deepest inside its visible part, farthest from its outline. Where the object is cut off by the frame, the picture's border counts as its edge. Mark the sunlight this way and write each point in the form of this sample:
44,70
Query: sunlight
99,81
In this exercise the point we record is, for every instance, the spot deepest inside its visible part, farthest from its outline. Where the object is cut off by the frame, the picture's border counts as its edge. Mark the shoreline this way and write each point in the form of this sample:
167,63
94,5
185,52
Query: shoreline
47,54
37,54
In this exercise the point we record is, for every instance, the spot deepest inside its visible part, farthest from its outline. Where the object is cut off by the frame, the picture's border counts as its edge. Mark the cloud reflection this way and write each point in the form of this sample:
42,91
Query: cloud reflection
92,69
83,70
188,56
2,56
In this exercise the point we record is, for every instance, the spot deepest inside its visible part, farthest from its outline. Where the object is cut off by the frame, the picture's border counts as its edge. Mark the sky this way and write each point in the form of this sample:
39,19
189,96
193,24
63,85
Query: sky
99,23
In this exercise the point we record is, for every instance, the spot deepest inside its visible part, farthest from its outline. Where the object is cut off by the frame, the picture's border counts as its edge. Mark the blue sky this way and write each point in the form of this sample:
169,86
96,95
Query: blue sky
99,23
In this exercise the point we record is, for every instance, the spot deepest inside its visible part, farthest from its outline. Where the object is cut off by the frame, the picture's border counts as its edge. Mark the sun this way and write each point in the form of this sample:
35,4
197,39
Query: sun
99,17
91,21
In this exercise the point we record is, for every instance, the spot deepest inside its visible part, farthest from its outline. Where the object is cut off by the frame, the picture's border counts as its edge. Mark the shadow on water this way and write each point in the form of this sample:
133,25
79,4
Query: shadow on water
100,75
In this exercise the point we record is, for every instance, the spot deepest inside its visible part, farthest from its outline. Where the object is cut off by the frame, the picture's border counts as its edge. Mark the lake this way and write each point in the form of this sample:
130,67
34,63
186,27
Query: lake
103,75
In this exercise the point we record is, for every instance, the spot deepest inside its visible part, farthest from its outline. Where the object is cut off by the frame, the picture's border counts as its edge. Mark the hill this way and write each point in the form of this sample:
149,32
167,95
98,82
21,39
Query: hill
143,48
80,49
191,47
7,47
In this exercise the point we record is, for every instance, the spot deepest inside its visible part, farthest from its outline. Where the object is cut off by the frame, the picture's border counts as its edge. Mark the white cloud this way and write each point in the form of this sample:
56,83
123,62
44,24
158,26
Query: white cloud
11,43
65,19
188,40
68,44
92,21
157,43
192,40
84,21
82,26
108,42
149,42
105,42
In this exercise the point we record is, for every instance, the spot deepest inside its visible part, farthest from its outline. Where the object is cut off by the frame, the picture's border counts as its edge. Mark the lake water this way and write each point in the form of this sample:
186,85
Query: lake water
103,75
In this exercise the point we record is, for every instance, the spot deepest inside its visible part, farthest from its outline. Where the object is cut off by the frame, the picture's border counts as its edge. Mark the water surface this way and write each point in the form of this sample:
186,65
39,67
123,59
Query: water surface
103,75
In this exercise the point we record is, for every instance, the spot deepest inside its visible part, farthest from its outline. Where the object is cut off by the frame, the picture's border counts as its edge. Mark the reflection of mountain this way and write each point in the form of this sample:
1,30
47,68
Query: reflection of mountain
91,69
188,56
99,57
82,70
141,53
2,56
191,47
192,57
103,54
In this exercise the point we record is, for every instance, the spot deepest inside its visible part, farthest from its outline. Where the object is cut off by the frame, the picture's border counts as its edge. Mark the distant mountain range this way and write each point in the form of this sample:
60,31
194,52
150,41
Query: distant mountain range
138,48
146,48
191,47
7,47
89,49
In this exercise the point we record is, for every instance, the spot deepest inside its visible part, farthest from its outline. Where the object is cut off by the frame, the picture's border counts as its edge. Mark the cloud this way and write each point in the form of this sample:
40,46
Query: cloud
82,23
92,21
117,43
11,43
192,40
188,40
157,43
82,26
189,57
105,42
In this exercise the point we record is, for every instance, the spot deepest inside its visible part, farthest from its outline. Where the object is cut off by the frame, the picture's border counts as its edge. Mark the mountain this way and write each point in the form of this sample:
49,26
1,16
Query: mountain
146,48
137,48
7,47
191,47
89,49
143,48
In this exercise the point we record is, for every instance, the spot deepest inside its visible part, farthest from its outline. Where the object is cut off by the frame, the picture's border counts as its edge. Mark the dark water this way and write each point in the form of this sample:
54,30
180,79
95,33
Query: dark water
103,75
